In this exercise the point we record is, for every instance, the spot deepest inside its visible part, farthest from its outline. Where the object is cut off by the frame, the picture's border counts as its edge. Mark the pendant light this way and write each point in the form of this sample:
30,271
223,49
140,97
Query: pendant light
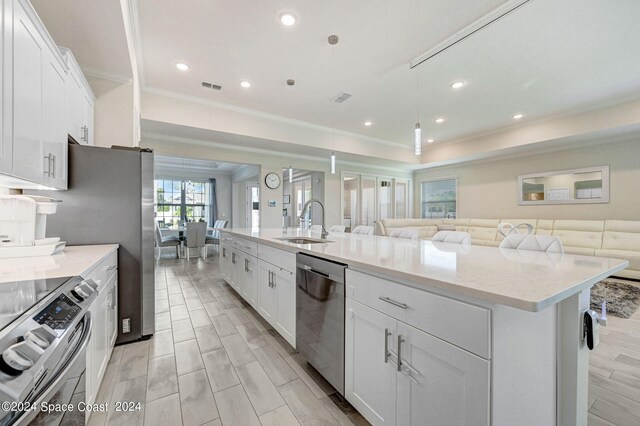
333,40
290,174
418,139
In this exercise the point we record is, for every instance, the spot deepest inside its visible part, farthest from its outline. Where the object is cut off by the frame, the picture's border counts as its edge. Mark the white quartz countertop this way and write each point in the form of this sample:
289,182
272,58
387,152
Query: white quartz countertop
522,279
73,261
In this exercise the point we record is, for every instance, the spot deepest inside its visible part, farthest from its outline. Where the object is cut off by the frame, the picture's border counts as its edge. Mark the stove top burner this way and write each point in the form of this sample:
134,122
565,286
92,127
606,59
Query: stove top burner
17,297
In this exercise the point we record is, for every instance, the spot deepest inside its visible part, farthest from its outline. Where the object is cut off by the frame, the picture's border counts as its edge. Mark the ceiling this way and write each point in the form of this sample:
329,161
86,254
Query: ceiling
545,59
92,29
189,165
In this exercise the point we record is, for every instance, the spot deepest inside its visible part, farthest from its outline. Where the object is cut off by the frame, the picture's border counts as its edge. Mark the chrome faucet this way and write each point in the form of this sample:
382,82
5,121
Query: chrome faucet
324,233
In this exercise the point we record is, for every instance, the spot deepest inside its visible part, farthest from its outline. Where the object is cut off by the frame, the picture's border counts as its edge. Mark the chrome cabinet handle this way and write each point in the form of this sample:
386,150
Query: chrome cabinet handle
224,252
247,247
387,333
393,302
274,280
233,258
111,268
269,278
48,171
53,167
400,340
83,136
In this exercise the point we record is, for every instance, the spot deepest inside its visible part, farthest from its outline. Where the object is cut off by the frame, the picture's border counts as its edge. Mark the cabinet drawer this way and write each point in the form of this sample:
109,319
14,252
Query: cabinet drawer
249,247
280,258
456,322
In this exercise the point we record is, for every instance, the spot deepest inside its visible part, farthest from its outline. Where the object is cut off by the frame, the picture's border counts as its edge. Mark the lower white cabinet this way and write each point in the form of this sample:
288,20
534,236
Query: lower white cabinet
269,288
436,383
104,317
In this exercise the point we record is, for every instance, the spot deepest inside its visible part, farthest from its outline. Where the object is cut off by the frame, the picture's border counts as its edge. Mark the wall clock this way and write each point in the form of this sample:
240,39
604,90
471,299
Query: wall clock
272,180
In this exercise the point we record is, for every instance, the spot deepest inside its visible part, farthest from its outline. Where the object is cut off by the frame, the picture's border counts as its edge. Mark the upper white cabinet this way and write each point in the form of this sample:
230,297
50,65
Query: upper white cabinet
37,100
79,102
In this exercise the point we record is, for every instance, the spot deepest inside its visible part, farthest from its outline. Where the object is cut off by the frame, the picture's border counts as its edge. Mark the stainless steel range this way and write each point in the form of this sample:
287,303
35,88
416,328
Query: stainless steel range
44,329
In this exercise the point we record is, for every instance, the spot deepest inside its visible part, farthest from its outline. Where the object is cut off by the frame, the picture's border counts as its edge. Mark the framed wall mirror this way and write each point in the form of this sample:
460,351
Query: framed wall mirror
578,186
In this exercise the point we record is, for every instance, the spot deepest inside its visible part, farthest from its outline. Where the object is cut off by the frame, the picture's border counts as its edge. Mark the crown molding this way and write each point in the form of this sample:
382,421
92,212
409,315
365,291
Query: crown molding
268,116
198,142
105,75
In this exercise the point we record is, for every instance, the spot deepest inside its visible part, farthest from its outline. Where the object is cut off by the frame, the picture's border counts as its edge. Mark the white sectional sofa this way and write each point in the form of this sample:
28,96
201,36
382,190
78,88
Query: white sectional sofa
606,238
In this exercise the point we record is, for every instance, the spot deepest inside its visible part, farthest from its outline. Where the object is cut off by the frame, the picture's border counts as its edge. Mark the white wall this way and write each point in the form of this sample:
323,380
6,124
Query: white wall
239,200
490,189
114,112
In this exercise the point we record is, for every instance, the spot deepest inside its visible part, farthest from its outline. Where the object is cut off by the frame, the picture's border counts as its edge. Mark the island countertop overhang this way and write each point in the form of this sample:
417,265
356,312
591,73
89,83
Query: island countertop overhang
526,280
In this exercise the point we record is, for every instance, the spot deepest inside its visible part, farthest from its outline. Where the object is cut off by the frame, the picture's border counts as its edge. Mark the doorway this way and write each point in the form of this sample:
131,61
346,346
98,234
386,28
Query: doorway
253,205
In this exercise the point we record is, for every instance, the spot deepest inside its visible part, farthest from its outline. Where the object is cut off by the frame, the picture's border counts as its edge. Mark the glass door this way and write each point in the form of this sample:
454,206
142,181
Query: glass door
368,200
350,213
253,205
402,188
385,203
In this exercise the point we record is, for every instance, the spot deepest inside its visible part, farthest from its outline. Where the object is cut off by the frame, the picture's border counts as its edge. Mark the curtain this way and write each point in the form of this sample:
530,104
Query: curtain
213,202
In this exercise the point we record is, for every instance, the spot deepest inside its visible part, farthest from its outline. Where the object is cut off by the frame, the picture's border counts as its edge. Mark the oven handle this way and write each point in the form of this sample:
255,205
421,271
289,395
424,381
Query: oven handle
53,385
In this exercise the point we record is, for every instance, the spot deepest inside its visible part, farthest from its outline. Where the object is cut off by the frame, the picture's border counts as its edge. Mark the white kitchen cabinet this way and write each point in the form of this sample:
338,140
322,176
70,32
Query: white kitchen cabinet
225,262
248,272
436,380
440,381
284,283
80,102
104,331
370,369
267,301
33,100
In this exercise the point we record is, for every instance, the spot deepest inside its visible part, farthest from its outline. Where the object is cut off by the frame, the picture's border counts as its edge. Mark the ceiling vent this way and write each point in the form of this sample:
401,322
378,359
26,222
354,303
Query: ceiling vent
342,96
211,85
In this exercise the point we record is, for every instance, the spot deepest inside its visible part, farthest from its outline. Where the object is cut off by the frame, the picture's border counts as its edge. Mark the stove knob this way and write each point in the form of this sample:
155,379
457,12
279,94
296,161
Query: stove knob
20,356
42,336
93,284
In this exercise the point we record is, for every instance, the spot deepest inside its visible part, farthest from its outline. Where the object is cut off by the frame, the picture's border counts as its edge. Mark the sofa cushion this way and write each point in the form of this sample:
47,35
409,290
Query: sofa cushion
544,227
460,224
579,233
621,235
482,230
426,227
632,256
579,250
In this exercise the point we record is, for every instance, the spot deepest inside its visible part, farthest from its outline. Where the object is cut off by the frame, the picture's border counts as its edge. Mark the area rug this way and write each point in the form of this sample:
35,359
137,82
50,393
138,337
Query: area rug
622,299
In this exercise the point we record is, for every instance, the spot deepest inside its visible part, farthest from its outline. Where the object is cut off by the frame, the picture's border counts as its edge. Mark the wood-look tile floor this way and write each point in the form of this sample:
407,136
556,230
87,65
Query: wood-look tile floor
213,360
614,374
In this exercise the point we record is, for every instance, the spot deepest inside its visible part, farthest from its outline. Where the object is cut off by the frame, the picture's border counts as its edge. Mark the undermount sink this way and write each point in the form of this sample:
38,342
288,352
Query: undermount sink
303,240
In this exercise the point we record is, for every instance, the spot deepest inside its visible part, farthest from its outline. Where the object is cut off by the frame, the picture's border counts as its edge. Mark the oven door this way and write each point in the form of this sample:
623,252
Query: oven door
65,387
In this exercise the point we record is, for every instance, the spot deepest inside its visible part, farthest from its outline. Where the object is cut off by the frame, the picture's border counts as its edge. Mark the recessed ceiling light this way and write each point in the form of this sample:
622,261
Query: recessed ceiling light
368,123
457,84
429,140
440,120
182,66
518,116
246,84
287,19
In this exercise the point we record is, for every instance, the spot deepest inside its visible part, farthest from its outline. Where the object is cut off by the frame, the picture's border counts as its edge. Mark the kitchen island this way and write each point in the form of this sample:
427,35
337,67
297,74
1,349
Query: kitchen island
466,334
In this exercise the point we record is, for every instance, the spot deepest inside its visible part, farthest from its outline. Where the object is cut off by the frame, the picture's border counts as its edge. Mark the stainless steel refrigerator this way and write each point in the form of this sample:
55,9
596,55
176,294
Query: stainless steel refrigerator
110,200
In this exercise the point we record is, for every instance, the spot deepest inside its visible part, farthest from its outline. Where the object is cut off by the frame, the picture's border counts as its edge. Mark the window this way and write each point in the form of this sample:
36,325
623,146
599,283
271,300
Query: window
180,200
439,198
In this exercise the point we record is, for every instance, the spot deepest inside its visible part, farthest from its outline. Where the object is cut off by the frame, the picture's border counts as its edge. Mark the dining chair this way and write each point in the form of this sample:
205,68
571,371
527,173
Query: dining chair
337,229
195,237
363,230
452,237
169,241
410,234
542,243
213,239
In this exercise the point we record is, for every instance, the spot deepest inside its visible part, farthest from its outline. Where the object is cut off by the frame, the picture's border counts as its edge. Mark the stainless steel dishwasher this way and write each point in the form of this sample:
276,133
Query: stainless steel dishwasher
320,316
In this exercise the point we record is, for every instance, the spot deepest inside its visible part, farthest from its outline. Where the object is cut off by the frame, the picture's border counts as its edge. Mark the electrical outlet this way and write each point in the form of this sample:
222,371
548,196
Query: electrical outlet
126,325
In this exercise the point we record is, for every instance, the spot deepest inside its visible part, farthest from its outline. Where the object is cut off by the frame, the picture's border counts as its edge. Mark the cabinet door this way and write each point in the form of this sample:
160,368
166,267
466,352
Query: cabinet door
87,118
28,58
370,374
236,271
248,282
99,333
112,314
90,376
54,127
6,136
285,287
440,382
73,106
224,262
266,292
